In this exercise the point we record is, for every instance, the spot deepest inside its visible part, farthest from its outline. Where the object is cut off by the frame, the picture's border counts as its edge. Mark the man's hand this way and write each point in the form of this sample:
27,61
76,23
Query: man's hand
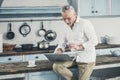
75,46
58,51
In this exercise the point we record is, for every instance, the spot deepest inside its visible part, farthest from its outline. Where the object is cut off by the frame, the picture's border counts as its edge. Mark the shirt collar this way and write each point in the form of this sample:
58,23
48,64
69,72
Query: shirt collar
77,20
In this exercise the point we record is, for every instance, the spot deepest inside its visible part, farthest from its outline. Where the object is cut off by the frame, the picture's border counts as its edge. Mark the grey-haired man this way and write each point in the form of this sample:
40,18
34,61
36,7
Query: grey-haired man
79,36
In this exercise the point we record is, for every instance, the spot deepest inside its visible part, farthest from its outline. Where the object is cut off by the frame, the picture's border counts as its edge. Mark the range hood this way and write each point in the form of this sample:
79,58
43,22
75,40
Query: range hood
31,8
33,3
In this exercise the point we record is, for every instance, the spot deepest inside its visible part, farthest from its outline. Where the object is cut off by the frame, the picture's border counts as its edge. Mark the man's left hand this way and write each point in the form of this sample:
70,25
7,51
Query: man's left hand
75,46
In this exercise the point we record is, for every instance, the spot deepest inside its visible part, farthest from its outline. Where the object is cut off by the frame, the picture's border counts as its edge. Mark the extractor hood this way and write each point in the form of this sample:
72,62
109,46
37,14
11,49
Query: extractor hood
33,3
31,8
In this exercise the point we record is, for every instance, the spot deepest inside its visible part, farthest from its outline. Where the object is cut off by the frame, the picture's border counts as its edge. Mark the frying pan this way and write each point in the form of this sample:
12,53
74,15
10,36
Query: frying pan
24,29
50,35
42,31
10,34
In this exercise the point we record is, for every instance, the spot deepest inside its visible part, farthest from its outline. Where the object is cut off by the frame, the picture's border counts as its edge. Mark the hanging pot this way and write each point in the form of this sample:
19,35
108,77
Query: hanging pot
43,44
10,34
42,31
50,35
27,46
24,29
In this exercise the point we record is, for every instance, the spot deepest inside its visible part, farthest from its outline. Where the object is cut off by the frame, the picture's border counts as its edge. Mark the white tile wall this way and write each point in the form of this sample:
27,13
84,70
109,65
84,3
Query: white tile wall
1,47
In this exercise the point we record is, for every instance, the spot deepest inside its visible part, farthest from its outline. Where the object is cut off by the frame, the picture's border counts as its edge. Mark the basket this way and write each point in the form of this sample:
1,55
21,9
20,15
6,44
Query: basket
8,47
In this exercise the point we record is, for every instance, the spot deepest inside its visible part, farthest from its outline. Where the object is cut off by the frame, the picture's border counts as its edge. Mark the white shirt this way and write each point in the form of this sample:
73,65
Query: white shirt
82,33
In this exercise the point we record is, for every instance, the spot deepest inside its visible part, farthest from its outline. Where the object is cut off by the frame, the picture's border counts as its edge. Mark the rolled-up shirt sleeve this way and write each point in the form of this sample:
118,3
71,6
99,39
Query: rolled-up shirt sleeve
62,43
89,32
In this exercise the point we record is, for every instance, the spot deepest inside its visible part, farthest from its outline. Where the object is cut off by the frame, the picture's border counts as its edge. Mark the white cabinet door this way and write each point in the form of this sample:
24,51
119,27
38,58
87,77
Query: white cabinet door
43,75
115,7
94,7
86,7
35,57
101,7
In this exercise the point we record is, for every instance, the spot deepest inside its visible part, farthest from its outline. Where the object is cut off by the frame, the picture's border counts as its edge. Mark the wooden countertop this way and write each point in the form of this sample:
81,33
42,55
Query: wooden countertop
103,46
11,53
43,65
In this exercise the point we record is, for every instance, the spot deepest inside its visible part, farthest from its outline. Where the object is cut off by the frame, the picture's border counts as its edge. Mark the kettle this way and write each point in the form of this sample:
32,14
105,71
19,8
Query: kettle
105,39
43,44
115,52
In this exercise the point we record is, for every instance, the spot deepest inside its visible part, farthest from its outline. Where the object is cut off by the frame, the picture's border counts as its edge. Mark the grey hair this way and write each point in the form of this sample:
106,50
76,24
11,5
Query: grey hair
68,7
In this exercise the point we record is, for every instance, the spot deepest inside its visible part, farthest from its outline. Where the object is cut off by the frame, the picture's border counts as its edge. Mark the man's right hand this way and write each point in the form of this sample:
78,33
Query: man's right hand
58,51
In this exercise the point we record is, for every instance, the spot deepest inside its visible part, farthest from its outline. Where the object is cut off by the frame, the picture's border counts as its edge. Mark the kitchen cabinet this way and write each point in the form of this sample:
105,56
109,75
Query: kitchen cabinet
11,59
115,7
42,75
35,57
94,7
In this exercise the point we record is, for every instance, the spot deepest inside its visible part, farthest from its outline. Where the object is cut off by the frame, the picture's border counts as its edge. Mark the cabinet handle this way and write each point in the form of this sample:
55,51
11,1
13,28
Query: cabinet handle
9,59
96,11
92,11
36,57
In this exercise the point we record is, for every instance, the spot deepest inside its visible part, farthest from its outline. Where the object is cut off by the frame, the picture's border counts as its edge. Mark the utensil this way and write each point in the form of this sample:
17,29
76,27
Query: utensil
27,46
42,31
10,34
50,35
105,39
24,29
43,44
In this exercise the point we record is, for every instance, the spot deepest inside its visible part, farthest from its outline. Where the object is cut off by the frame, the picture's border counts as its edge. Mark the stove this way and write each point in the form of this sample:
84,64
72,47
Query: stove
35,49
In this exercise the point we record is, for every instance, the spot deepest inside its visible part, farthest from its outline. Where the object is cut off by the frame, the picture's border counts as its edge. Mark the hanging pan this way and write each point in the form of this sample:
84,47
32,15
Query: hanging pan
42,31
50,35
10,34
24,29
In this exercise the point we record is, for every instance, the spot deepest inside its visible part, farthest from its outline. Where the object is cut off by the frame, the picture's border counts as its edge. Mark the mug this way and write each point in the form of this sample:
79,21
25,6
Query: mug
31,62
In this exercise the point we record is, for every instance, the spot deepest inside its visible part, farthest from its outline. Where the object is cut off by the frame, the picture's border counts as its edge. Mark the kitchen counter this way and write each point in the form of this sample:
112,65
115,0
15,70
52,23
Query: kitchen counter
50,50
43,65
103,46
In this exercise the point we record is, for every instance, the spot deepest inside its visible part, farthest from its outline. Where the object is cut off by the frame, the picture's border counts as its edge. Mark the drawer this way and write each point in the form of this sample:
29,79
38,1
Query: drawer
35,57
43,75
9,59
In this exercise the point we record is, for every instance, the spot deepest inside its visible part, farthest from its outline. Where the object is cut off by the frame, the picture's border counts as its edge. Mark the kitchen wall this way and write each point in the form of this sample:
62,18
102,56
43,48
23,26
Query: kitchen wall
103,26
33,36
106,26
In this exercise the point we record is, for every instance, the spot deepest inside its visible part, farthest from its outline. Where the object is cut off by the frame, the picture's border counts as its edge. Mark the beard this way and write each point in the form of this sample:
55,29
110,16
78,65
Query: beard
69,24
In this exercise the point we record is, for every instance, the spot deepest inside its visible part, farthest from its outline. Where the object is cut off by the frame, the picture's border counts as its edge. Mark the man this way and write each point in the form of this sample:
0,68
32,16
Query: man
79,36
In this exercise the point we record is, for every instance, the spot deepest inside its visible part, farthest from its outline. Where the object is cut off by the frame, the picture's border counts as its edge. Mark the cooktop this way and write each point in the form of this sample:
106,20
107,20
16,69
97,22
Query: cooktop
34,49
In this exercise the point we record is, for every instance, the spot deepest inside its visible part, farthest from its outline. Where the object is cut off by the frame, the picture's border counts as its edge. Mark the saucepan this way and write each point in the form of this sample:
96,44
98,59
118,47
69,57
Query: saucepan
27,46
43,44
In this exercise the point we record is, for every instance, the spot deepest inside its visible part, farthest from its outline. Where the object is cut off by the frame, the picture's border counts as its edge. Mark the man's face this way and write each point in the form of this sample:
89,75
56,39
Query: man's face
69,17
